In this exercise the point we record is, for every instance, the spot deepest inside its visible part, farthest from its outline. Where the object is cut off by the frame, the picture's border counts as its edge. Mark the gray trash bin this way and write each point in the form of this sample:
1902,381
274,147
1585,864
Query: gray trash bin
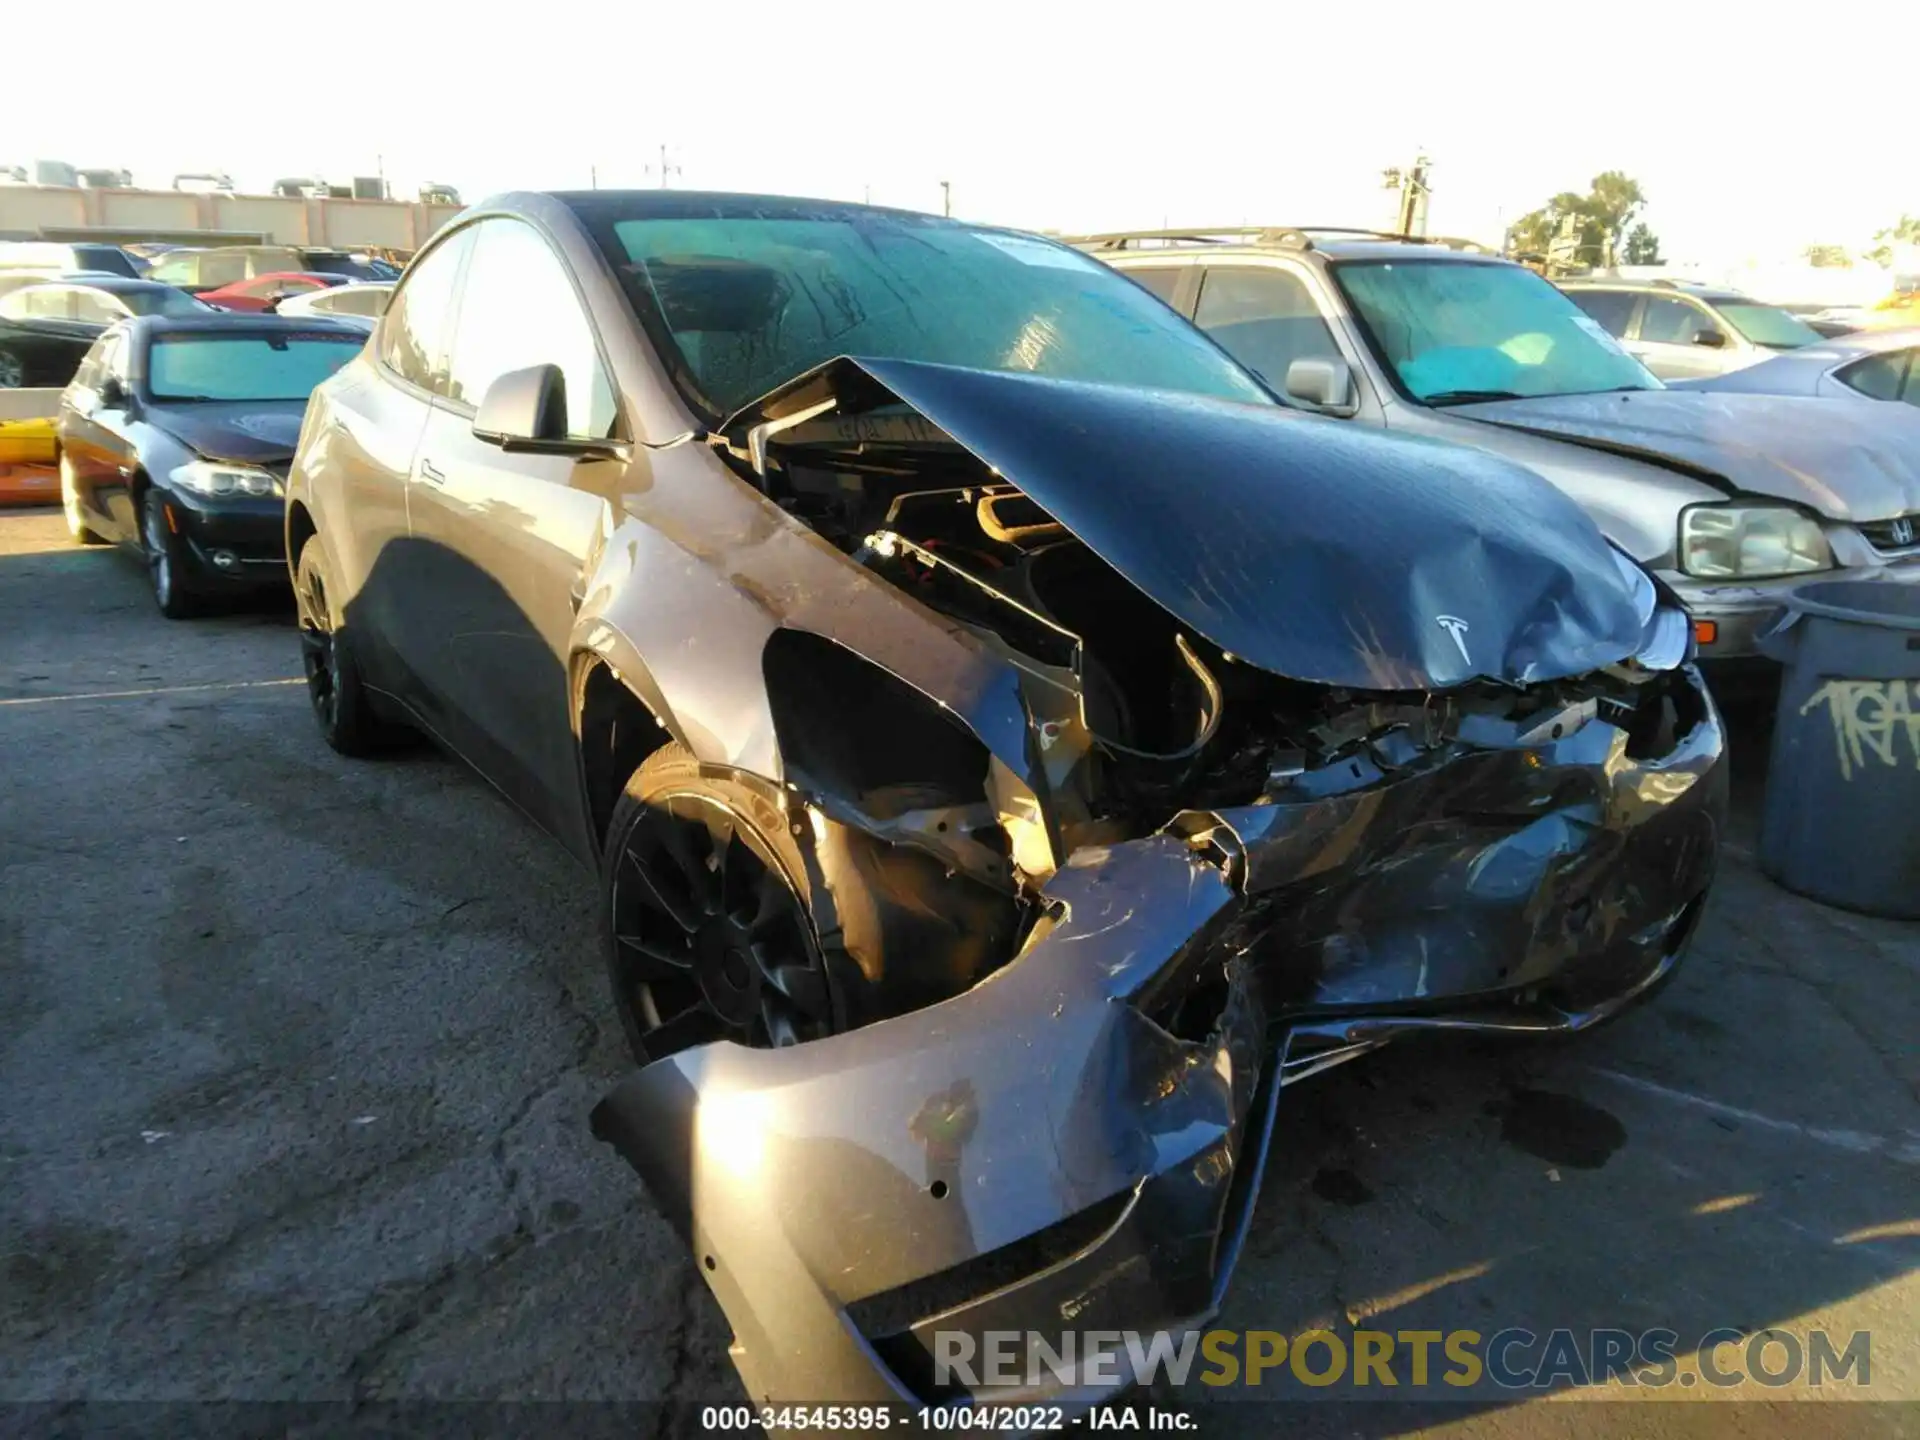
1842,820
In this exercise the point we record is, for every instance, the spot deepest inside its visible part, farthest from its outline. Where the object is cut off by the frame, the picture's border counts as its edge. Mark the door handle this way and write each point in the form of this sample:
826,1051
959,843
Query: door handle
430,473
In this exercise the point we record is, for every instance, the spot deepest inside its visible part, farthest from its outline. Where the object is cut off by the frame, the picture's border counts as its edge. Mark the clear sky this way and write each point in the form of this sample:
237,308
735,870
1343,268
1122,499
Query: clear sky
1755,129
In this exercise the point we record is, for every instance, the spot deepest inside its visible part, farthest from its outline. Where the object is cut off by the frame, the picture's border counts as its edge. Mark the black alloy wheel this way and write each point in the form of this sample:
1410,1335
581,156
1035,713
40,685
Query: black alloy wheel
708,937
164,570
341,705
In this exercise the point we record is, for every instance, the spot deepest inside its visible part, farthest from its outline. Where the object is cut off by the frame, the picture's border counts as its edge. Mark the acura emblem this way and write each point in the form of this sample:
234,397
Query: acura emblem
1457,628
1903,532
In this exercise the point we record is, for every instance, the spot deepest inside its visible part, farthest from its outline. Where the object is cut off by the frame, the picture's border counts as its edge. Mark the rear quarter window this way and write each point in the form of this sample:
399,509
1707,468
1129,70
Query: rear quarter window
1612,308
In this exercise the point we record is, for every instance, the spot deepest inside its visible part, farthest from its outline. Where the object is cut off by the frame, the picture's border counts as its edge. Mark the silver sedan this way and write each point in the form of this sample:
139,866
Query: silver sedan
1871,365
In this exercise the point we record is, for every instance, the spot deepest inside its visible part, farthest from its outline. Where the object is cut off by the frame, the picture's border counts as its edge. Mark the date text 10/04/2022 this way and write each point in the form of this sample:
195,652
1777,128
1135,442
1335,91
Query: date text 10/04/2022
935,1420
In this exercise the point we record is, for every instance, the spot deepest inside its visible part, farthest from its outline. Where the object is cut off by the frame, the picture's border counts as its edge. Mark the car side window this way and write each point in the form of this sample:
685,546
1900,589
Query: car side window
1667,321
518,308
96,308
1163,281
1612,308
413,337
354,302
87,377
217,269
51,302
1265,318
1883,377
176,270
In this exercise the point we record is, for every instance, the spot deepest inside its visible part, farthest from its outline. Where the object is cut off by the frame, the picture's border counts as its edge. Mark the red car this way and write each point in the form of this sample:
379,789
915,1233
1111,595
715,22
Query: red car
263,292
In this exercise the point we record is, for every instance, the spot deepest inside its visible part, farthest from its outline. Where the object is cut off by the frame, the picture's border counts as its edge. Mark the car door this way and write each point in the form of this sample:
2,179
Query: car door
369,434
508,537
1667,340
93,437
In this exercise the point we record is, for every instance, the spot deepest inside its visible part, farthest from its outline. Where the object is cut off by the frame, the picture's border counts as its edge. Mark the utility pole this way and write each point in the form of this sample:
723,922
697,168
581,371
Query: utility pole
593,177
946,197
1411,218
666,168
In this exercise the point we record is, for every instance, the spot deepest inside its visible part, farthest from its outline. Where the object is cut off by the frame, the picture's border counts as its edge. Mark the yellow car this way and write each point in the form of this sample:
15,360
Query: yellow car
27,442
27,455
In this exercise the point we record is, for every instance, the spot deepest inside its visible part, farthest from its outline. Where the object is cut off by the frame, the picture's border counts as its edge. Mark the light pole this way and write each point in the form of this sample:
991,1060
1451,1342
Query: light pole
946,197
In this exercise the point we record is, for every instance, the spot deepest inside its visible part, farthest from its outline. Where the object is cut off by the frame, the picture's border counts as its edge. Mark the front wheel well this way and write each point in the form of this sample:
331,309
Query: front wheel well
616,733
300,529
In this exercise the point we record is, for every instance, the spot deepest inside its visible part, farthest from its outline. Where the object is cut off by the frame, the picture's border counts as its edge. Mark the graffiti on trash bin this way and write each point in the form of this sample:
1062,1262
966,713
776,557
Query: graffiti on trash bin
1869,717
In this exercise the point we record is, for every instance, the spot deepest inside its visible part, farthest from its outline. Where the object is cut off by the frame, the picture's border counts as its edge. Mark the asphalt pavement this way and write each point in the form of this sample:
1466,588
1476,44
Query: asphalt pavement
296,1055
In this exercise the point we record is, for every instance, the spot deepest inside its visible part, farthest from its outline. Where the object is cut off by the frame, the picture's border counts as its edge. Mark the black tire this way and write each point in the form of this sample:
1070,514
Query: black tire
726,917
342,706
13,371
166,574
77,529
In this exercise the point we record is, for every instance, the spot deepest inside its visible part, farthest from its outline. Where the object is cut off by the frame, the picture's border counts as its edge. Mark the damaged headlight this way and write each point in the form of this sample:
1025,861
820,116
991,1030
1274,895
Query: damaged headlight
1727,542
223,482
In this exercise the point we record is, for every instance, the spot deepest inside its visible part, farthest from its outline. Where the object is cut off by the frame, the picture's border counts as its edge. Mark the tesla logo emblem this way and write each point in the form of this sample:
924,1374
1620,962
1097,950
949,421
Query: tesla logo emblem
1903,532
1457,628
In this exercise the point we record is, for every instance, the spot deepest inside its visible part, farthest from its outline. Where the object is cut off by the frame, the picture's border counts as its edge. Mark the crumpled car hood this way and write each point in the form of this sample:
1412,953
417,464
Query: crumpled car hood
252,431
1318,551
1849,464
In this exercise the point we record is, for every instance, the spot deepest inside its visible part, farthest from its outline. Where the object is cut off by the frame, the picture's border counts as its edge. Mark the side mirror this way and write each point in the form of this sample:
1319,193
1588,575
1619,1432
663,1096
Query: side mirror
1712,339
1326,383
113,395
524,410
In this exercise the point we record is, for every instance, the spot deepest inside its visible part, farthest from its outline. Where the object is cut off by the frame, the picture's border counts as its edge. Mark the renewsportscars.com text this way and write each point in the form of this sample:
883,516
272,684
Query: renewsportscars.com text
1429,1360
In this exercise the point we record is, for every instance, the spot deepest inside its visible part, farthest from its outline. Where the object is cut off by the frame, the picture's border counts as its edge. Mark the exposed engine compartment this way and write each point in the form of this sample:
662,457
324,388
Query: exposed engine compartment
1139,717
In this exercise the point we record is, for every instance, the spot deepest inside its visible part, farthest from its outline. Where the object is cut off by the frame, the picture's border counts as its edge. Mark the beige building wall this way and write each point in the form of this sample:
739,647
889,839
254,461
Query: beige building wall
286,220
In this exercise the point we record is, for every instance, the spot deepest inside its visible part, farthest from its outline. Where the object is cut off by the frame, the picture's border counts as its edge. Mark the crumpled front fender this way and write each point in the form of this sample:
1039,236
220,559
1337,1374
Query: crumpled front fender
840,1192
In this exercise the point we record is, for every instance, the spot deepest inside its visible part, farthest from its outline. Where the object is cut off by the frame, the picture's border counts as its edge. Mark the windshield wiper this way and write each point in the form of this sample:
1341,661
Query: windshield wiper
1468,397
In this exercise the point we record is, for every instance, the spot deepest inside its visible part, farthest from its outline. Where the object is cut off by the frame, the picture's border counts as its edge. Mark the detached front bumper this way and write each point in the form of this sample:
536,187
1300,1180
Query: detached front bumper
1074,1145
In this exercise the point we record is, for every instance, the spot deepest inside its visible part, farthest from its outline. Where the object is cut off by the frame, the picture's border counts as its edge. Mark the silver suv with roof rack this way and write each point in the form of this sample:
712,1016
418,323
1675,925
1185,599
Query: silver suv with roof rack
1733,499
1684,331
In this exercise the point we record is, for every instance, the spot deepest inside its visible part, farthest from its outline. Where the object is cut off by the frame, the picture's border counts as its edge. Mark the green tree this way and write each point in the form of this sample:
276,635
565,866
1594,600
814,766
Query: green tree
1613,201
1600,216
1642,247
1827,257
1907,232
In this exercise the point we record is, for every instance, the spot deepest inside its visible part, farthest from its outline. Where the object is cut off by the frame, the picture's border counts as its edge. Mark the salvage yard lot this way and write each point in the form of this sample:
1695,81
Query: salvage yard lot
297,1055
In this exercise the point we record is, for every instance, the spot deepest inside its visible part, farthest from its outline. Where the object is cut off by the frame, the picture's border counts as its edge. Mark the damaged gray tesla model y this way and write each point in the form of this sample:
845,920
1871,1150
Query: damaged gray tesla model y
1013,746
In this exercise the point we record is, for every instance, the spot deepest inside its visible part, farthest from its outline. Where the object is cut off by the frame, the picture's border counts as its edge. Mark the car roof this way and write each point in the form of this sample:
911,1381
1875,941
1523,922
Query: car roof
1712,294
116,284
1331,242
1863,342
229,322
703,204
